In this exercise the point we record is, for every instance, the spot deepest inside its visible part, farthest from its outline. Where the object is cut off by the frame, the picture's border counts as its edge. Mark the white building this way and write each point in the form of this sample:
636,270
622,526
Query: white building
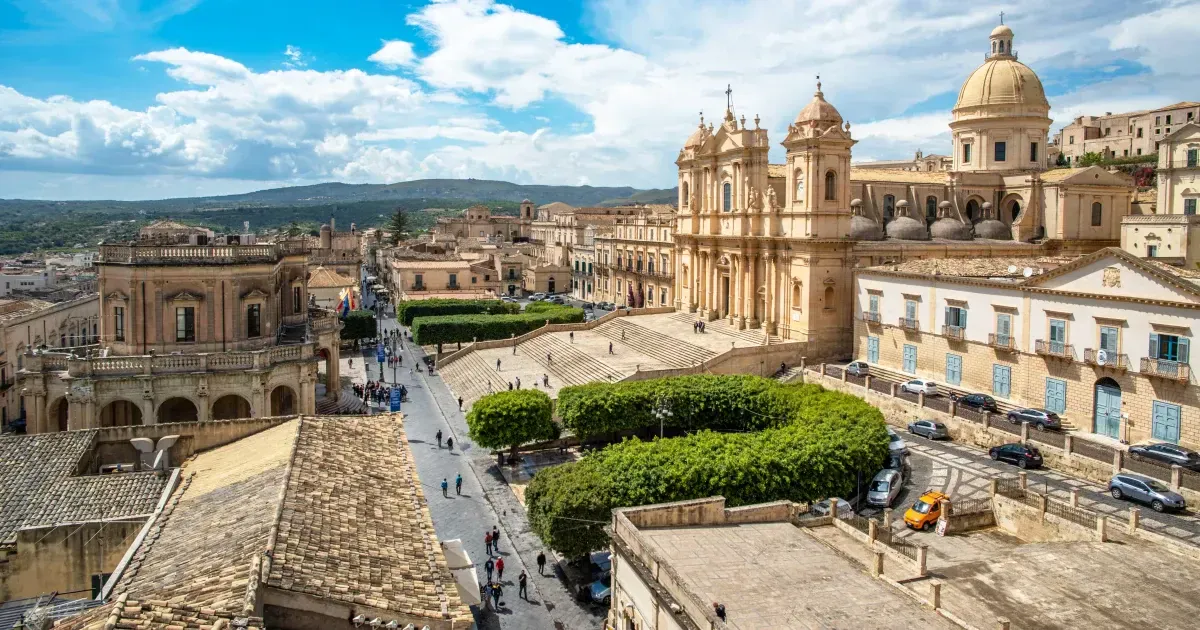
1172,234
1103,339
26,280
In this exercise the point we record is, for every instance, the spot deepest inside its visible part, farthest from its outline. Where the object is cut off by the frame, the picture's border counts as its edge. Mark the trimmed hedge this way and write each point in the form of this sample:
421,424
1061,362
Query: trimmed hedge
508,419
359,325
541,307
814,449
406,312
466,328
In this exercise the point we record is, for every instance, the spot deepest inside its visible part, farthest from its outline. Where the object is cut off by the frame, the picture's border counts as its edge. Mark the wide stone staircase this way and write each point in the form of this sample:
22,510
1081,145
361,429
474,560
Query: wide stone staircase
669,350
470,375
568,363
347,403
720,326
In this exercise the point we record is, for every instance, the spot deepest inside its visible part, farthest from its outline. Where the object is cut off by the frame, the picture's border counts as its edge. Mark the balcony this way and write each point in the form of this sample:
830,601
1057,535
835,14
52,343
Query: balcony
910,323
1111,360
955,333
453,286
1002,342
1055,349
418,287
1168,370
870,317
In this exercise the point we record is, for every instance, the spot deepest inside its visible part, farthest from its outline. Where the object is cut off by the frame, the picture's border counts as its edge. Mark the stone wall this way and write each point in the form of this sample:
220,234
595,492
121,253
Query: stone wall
63,559
1032,525
112,444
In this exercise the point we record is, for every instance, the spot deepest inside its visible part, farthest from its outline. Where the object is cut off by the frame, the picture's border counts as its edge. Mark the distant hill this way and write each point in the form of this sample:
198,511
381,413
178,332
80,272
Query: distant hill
656,195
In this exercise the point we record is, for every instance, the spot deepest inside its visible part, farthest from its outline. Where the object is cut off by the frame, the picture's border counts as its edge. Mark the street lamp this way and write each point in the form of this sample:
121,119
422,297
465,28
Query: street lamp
662,412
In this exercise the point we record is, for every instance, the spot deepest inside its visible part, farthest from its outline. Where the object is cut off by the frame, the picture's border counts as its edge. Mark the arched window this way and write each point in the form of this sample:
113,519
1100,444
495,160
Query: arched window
685,194
796,296
829,297
830,186
728,197
889,207
799,186
1097,213
930,208
973,210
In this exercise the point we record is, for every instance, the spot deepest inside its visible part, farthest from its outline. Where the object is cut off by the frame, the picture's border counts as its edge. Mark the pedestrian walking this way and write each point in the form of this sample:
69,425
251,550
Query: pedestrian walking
458,484
445,487
541,560
497,365
487,540
610,347
521,586
438,435
510,386
572,335
496,593
720,610
460,403
518,379
546,380
450,443
496,539
485,593
500,569
514,349
489,566
622,334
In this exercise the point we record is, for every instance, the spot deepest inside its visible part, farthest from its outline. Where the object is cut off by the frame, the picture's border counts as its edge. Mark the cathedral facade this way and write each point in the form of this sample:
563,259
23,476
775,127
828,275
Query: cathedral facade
773,246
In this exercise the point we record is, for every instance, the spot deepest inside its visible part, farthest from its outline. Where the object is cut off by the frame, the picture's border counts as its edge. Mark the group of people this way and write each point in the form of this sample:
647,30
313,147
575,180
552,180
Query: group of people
698,326
374,391
493,589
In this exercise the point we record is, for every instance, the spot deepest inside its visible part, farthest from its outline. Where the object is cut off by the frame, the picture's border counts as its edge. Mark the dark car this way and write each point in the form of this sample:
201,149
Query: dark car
978,402
1039,419
1016,453
929,430
1167,454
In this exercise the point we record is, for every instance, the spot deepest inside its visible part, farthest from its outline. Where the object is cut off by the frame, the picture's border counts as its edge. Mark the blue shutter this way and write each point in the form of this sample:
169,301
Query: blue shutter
1153,346
1183,350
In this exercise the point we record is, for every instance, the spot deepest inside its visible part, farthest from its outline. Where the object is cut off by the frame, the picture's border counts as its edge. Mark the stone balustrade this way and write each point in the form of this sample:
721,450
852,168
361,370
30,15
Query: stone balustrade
198,254
168,363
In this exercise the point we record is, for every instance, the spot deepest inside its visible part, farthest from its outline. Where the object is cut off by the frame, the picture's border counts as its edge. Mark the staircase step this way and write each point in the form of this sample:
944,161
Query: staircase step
669,351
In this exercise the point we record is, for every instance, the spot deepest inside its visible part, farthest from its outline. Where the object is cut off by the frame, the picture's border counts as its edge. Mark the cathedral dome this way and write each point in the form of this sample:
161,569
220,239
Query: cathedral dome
904,227
993,229
819,111
1003,82
697,137
1002,31
950,229
865,229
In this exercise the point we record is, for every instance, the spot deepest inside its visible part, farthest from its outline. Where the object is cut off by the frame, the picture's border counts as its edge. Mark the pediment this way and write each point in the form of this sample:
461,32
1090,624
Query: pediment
1118,273
254,294
184,296
117,296
1095,176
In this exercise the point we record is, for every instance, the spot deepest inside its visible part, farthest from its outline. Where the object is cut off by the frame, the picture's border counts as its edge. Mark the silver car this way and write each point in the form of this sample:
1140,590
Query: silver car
896,443
929,429
885,487
821,508
1146,490
858,368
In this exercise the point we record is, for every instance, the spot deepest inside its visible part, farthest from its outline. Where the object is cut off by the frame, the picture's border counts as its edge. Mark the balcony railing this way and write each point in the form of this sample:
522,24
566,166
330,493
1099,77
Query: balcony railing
1162,368
1111,360
957,333
1056,349
168,363
1001,341
909,323
871,317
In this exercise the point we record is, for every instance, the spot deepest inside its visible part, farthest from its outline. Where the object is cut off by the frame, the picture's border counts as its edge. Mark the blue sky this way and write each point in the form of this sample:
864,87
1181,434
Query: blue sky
147,99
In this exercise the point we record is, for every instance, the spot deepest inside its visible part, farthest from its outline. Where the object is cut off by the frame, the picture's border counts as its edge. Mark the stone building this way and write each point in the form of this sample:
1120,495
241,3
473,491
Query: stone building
635,259
478,222
341,252
773,245
1128,134
189,333
921,162
1103,339
325,287
1172,233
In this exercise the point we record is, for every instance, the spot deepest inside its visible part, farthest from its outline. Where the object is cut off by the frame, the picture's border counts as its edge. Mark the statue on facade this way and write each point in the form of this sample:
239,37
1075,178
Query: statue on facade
772,202
754,197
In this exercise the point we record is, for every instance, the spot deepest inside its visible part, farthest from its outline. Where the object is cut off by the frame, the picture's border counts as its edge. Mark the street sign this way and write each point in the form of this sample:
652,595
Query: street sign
379,356
941,526
395,399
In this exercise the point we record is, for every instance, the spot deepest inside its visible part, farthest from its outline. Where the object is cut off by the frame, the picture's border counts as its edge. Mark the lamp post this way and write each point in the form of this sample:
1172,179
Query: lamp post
662,413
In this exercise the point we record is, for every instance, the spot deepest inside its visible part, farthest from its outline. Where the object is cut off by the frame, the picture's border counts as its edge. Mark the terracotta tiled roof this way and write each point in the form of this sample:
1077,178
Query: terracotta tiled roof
1179,105
777,170
322,278
976,267
1059,174
40,485
355,527
896,176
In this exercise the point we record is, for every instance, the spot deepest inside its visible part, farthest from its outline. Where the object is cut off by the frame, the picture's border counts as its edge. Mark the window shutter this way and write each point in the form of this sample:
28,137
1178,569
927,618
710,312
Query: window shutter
1153,346
962,317
1183,349
948,321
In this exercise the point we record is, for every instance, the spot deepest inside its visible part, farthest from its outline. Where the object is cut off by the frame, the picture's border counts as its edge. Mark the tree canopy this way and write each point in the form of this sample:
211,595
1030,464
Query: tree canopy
507,419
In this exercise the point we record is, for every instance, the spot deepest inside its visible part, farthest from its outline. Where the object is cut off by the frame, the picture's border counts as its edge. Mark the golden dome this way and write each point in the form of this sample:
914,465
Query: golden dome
1001,31
1004,81
819,110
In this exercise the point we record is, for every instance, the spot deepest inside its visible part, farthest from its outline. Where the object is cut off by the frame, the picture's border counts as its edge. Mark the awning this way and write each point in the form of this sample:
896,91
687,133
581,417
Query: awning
463,571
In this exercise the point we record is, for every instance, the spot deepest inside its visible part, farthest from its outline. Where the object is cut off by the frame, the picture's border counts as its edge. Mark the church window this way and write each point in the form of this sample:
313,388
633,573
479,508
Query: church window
1097,213
796,296
727,202
1192,155
1001,150
1033,151
1189,206
830,186
685,193
967,152
799,186
930,208
889,207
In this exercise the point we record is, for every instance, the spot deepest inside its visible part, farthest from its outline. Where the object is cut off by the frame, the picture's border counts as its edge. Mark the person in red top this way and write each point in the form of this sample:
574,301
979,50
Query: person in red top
487,541
499,569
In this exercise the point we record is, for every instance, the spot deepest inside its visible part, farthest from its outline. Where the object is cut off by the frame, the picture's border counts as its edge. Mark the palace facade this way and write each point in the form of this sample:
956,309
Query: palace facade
773,246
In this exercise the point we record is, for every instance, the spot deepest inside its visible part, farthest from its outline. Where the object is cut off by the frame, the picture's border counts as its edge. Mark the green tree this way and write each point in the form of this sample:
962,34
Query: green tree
359,325
509,419
293,230
1061,161
1091,158
398,226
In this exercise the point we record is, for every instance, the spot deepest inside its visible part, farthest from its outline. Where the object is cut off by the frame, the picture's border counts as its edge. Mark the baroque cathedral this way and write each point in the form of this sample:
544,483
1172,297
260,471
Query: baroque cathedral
774,245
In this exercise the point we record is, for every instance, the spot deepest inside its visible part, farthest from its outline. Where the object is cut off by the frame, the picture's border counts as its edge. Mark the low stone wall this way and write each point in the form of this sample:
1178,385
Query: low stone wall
961,523
1032,525
758,360
113,447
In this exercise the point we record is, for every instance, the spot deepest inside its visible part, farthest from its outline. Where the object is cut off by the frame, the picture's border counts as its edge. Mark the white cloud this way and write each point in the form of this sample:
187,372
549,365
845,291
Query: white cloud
296,58
394,54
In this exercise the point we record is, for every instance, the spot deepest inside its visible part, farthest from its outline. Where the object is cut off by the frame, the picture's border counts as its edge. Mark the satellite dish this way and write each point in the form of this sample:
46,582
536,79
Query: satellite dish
1012,269
1027,272
1101,357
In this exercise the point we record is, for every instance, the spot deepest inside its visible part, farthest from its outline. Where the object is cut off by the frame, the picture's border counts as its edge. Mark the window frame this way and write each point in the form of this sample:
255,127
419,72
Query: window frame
1000,151
253,320
185,324
119,323
1097,214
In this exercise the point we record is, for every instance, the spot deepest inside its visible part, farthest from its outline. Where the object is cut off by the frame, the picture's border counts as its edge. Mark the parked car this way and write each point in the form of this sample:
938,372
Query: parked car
556,299
895,442
920,386
1040,419
926,511
537,297
821,508
885,487
601,590
977,402
929,429
508,298
898,461
1016,453
1146,490
1167,454
858,368
601,563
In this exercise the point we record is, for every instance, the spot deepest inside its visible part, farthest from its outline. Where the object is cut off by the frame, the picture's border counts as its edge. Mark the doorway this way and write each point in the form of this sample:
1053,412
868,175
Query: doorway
1107,420
724,310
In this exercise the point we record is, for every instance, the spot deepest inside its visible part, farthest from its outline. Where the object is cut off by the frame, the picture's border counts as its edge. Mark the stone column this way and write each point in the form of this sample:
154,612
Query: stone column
694,289
148,416
768,280
737,278
40,422
752,294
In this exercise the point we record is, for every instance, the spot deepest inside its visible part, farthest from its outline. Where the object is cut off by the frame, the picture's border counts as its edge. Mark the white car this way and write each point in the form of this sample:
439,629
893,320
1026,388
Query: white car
920,386
896,445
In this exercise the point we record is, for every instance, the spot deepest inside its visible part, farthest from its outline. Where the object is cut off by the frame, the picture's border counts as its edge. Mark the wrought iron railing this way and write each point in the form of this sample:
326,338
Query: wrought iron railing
957,333
1001,341
909,323
1112,360
1057,349
1162,368
871,317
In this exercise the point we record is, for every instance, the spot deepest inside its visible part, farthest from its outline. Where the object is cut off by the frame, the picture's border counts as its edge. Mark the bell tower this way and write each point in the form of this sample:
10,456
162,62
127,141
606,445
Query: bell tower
818,170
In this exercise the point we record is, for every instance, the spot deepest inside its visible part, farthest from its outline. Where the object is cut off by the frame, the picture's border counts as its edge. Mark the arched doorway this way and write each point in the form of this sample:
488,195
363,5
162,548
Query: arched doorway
973,210
231,406
550,285
120,413
58,414
1014,210
178,409
1107,415
283,401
